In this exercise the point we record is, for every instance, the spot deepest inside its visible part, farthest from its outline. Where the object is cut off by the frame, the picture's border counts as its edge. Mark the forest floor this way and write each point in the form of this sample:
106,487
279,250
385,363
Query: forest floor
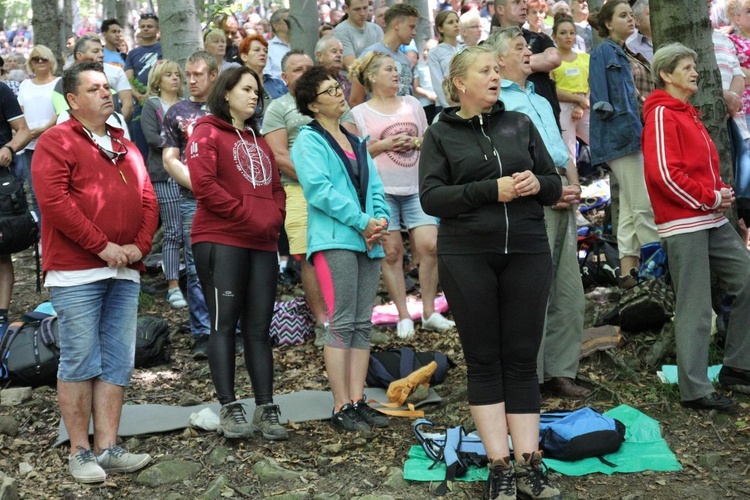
714,449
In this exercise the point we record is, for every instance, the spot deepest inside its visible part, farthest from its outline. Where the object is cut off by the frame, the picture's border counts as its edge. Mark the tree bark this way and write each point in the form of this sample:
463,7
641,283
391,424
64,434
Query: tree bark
303,25
687,22
180,29
424,23
47,27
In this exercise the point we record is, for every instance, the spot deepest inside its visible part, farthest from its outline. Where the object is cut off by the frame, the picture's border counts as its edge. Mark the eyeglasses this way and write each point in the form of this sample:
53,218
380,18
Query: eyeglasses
332,91
39,60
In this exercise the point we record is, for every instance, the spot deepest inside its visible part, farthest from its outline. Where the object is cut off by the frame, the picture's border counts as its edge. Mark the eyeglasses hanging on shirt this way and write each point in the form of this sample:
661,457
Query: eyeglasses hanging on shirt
110,154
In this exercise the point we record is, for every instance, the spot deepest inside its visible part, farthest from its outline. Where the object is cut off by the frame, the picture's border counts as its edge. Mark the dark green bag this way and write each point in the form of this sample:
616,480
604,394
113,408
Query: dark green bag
647,306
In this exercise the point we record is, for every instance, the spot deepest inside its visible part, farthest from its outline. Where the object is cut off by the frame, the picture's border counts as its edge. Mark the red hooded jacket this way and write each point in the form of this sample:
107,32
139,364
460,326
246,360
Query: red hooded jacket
682,167
241,201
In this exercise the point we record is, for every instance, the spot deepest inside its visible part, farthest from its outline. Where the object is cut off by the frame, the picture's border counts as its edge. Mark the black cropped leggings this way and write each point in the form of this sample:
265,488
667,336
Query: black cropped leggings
499,302
239,285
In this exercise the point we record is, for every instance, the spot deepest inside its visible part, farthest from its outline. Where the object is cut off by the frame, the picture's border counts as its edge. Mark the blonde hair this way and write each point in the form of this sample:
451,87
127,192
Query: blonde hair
460,65
366,66
45,52
158,70
217,33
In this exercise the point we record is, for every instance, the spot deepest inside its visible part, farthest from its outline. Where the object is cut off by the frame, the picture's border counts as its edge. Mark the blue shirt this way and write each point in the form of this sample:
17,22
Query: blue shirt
540,111
141,59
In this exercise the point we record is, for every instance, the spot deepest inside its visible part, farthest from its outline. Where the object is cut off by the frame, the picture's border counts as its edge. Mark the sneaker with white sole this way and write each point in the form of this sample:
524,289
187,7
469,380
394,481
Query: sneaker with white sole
84,467
405,328
116,459
176,299
437,323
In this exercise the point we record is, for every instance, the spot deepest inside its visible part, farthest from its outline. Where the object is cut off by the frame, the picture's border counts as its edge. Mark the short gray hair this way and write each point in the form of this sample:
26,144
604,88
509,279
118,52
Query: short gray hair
322,44
666,60
639,8
501,40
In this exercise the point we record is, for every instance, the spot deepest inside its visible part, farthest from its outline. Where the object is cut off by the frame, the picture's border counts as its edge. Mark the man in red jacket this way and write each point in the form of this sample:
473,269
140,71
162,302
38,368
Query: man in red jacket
100,216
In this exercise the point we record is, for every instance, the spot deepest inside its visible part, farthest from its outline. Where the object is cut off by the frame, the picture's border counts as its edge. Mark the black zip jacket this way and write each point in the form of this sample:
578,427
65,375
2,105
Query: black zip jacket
459,165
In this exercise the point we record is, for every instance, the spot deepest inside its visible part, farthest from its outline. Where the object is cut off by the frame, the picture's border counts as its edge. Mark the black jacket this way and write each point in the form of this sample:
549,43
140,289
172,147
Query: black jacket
459,165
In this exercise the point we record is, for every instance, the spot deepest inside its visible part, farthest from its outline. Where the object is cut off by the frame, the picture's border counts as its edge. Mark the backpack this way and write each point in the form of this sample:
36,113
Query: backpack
30,350
598,260
650,303
18,227
292,323
152,337
456,448
395,364
578,434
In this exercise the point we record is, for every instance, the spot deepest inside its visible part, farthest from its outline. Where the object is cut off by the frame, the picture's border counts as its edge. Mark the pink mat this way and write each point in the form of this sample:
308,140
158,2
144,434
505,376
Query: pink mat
387,314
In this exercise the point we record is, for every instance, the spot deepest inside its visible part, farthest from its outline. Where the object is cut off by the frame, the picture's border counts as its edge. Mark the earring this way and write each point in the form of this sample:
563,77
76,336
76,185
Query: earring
463,90
158,89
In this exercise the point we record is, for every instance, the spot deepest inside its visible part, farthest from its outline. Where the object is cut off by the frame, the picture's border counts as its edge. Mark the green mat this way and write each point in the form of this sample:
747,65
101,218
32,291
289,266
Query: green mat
643,449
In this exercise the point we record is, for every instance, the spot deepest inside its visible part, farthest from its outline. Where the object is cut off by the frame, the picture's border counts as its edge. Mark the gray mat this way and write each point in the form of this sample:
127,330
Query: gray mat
297,407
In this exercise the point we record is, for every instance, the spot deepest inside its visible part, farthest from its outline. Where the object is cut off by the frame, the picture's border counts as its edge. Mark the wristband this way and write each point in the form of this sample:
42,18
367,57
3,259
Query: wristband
12,153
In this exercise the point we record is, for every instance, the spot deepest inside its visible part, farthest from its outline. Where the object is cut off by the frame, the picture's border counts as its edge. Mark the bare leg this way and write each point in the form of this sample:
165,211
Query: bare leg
75,399
493,429
107,409
628,263
337,369
424,241
393,272
7,278
524,430
172,284
313,294
359,359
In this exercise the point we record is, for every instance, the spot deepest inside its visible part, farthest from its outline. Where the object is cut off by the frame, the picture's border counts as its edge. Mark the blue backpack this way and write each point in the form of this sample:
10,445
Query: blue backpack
578,434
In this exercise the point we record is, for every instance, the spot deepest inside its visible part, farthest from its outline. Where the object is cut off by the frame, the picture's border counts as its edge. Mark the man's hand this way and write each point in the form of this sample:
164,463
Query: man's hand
132,252
6,157
114,255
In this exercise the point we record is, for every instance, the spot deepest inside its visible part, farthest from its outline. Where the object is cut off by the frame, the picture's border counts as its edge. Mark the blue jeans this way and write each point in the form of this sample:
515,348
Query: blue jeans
200,323
97,323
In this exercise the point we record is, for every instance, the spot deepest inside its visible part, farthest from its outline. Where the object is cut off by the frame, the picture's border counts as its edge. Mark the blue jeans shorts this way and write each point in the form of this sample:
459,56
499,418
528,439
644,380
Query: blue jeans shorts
407,211
97,324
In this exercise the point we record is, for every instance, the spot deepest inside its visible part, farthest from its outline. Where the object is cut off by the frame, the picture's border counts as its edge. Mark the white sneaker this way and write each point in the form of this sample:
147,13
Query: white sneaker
176,299
437,323
405,328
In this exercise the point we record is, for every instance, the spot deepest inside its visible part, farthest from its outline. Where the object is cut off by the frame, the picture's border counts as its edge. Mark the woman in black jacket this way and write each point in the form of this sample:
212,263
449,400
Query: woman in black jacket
486,173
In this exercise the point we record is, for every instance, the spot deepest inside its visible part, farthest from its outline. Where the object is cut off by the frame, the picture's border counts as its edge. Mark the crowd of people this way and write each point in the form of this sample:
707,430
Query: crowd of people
331,159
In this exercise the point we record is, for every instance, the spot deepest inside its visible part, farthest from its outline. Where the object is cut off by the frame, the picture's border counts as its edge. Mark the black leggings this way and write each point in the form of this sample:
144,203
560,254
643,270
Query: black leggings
499,302
239,285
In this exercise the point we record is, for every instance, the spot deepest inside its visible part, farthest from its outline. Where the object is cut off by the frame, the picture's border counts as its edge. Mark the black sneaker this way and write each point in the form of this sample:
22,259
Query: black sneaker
501,480
735,380
200,348
373,417
713,401
347,419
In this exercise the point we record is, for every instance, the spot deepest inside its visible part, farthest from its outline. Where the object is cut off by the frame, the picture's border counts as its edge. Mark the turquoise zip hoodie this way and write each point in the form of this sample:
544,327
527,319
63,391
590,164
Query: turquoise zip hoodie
336,210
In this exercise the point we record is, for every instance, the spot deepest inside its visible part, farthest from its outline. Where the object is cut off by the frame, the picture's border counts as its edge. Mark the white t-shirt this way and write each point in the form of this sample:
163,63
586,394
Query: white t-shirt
36,101
114,120
116,78
398,171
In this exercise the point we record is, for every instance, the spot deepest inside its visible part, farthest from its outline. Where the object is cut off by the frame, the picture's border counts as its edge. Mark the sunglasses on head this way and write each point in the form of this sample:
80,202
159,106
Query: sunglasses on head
148,15
39,60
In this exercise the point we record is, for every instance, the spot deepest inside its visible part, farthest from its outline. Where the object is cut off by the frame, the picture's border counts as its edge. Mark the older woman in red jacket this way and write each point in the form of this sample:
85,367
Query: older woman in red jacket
689,200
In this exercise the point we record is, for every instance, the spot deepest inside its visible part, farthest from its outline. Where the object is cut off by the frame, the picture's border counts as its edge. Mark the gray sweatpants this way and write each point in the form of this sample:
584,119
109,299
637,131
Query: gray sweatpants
692,259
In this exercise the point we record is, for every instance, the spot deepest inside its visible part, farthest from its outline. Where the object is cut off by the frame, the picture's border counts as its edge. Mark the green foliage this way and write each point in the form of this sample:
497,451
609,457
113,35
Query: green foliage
137,85
145,302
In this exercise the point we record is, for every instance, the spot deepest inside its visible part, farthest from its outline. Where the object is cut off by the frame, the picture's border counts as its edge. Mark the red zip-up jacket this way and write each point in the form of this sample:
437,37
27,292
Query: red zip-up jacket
87,200
682,167
241,201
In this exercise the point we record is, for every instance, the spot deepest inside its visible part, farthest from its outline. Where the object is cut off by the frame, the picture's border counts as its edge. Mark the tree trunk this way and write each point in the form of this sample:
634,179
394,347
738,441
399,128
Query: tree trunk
687,22
122,8
109,9
424,23
47,28
180,29
303,22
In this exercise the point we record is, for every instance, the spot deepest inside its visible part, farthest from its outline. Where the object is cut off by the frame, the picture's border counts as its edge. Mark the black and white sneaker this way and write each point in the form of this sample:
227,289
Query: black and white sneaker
347,419
373,417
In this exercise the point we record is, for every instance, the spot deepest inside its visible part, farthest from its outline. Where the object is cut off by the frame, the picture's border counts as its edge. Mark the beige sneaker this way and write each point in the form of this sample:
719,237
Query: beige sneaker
532,481
116,459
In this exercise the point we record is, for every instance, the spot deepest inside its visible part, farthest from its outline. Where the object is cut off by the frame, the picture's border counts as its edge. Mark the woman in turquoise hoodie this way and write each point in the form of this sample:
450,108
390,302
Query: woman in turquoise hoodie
347,219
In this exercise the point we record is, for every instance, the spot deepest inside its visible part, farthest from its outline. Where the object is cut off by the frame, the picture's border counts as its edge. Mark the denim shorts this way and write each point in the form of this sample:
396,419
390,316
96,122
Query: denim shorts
406,210
97,324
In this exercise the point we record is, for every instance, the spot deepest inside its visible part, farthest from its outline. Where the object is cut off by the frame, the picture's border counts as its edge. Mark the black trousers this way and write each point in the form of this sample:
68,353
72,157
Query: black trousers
239,285
499,303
